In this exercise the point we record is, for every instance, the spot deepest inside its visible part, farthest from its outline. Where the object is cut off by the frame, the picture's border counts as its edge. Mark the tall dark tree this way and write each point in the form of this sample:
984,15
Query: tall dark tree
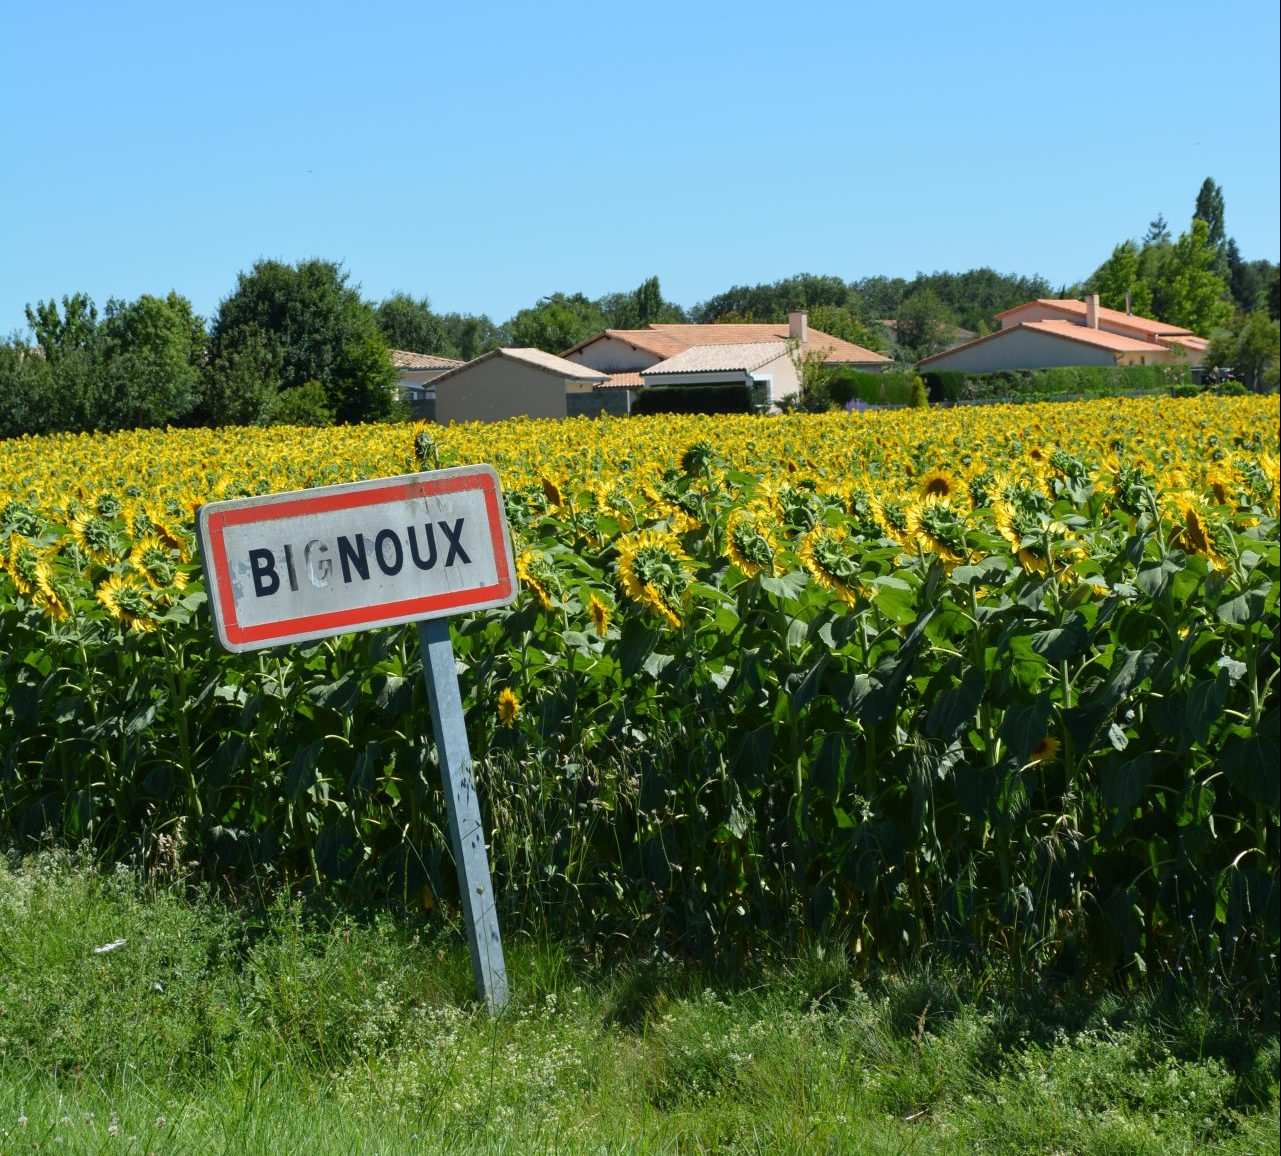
1209,208
1158,231
313,326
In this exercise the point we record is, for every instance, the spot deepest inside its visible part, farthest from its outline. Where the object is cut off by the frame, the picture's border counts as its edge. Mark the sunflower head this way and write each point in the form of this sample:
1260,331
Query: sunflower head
938,528
1198,529
749,544
508,707
600,615
536,572
825,554
128,600
1046,751
938,483
652,569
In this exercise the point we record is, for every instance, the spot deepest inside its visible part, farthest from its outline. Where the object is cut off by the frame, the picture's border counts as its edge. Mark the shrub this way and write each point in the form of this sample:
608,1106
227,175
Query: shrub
693,399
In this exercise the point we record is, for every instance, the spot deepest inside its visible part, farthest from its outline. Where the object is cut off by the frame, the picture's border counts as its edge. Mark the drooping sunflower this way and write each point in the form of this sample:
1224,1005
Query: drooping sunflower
825,555
891,516
154,561
749,544
127,600
535,571
1198,528
937,527
95,536
652,568
599,612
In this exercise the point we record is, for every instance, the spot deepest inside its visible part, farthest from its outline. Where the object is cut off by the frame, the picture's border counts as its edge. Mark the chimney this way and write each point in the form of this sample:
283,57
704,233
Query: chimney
797,326
1092,310
1129,305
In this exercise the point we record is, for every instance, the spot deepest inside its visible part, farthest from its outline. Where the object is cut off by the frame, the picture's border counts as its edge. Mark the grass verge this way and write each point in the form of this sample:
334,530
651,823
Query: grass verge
209,1028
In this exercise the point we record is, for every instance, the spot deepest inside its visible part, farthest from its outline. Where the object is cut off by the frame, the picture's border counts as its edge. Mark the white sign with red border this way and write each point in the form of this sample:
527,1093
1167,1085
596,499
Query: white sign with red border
310,564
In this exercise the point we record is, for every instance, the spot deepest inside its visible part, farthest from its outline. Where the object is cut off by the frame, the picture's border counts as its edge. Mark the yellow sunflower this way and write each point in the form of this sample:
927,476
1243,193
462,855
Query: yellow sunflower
126,599
938,528
938,483
1196,530
508,707
652,569
600,615
825,556
749,544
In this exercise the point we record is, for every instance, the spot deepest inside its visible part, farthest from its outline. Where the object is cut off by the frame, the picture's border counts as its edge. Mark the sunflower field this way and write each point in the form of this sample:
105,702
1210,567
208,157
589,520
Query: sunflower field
997,680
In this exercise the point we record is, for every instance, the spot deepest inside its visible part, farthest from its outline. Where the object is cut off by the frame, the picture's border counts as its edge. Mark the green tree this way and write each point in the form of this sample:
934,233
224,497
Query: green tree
1209,208
838,321
75,328
1195,296
1158,231
151,352
924,324
408,323
1251,346
1118,275
29,398
242,381
313,326
468,335
556,323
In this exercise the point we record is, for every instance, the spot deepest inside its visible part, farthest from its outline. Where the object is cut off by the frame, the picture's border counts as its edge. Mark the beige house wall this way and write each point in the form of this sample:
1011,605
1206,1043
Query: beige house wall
785,381
611,355
1024,349
498,388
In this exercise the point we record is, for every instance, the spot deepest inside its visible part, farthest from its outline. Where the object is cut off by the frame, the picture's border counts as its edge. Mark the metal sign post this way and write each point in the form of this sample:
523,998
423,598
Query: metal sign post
314,563
466,832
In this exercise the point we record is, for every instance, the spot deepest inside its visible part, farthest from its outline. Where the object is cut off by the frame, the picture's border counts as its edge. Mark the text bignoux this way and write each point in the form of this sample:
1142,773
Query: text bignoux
354,557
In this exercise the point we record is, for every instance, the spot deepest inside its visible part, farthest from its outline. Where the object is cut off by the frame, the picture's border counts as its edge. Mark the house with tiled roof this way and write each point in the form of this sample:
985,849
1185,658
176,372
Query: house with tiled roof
415,373
520,382
679,354
1048,333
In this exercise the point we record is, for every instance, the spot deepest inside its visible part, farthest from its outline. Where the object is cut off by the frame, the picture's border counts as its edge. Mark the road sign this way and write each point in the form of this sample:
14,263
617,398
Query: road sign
314,563
299,566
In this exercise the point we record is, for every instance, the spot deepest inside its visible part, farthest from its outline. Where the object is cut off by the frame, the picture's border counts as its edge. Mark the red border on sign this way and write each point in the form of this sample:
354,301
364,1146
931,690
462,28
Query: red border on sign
270,511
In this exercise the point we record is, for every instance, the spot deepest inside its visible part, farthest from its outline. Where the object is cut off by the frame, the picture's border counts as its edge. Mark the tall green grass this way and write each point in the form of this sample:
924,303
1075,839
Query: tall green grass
260,1028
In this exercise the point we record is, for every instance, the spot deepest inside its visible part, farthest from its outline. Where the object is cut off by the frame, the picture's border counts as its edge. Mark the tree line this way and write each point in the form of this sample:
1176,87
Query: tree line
299,344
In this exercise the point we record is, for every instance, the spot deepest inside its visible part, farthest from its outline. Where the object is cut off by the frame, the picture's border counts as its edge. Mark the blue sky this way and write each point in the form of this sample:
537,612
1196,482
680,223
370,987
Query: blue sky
488,154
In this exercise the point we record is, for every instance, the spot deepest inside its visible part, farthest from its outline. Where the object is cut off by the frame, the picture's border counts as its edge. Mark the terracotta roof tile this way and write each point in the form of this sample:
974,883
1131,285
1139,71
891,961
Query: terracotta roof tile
1145,326
667,340
623,381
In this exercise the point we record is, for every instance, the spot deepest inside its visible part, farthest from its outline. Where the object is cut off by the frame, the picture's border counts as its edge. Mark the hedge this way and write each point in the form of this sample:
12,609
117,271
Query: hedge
953,385
693,399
